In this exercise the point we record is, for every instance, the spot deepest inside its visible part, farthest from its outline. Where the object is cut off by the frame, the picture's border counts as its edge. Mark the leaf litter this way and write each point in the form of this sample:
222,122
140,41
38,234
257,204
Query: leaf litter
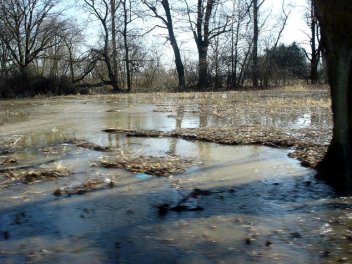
158,166
308,145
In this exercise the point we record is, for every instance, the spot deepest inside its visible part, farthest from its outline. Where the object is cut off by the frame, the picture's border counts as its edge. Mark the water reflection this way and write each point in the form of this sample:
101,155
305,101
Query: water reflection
263,206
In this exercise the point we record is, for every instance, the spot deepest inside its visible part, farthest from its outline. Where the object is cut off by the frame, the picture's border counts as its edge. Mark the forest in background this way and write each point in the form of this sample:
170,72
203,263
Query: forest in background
45,47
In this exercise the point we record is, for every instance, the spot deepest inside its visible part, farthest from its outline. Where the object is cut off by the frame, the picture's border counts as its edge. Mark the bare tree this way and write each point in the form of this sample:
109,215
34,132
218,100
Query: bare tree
203,34
101,9
27,28
272,43
314,54
240,10
168,22
256,11
127,20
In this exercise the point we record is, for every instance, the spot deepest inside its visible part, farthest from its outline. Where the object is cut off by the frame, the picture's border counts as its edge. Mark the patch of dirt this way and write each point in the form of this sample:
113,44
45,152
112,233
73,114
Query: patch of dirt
309,145
158,166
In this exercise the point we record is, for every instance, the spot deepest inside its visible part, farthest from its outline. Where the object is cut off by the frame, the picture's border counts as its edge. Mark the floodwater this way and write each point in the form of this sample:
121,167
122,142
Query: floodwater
260,206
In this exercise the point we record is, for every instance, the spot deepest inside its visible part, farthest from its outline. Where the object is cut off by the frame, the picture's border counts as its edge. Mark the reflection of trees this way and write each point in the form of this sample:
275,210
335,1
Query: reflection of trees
204,150
172,146
203,120
180,112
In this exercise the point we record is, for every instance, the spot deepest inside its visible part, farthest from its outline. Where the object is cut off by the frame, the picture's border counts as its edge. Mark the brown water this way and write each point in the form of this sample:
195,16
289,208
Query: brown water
263,207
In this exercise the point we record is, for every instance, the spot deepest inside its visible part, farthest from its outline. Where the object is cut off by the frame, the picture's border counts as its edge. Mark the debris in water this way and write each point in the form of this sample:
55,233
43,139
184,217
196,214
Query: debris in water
36,175
163,209
158,166
137,133
187,203
309,147
268,243
88,186
87,145
9,160
295,235
6,235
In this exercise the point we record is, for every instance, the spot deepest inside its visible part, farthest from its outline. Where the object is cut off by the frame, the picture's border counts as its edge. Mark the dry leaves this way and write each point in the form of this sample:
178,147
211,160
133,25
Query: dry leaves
88,186
158,166
309,145
36,175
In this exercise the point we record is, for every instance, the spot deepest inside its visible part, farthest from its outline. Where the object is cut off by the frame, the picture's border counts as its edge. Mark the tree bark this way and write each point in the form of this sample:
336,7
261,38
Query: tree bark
315,52
203,81
255,45
113,67
125,40
336,24
178,61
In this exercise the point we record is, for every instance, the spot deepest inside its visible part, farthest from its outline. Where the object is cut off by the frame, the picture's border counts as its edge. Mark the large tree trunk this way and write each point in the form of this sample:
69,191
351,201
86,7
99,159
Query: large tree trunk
336,25
203,67
178,61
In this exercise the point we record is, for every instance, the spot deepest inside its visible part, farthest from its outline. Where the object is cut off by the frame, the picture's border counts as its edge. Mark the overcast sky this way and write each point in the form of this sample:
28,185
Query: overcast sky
296,25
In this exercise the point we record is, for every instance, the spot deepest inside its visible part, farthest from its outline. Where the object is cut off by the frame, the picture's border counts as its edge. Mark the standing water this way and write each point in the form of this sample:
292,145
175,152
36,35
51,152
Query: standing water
239,204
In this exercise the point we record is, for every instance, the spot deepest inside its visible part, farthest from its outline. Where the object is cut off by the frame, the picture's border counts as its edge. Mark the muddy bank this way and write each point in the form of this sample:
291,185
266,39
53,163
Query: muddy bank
308,145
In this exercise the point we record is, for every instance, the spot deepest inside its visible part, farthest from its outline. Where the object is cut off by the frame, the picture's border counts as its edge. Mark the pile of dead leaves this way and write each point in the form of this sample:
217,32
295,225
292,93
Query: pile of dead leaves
309,144
36,175
310,156
88,186
137,133
158,166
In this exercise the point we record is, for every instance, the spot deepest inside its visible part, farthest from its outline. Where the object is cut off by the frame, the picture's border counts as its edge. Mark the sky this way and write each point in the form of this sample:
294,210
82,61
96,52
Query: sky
295,29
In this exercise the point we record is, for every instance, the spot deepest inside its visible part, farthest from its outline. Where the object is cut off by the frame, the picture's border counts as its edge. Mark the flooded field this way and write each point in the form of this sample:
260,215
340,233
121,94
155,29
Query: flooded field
177,186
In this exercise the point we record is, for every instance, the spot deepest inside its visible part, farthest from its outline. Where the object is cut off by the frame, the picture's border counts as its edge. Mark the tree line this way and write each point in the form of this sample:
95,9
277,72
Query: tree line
43,47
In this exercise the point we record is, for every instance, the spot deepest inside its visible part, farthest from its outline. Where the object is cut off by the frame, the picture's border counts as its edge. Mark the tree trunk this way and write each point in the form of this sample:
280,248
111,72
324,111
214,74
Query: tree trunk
113,70
127,57
255,45
178,61
203,67
315,53
336,24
